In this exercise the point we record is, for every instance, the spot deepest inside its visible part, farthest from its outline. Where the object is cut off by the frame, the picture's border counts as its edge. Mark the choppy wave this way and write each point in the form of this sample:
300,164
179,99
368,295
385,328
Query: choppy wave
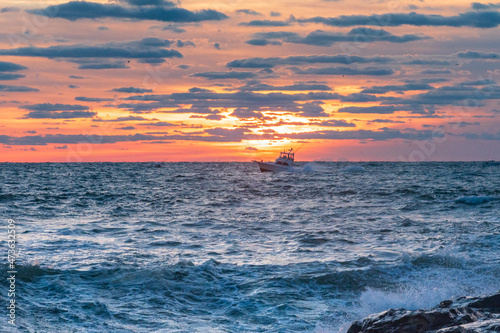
222,247
353,168
476,200
219,295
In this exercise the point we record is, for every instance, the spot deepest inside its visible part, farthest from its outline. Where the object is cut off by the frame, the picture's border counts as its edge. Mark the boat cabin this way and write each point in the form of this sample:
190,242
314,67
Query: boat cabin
286,158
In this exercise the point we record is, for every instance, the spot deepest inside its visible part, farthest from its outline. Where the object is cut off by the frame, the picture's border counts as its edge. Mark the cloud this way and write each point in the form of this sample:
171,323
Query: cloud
248,12
359,98
9,76
10,67
436,71
127,128
209,135
383,135
257,86
310,110
57,111
181,43
344,71
120,119
249,104
199,109
396,88
427,62
384,121
9,10
75,10
275,14
201,100
236,134
464,123
451,95
486,19
326,38
148,2
214,117
334,123
251,148
59,115
265,23
246,113
204,95
484,6
387,109
61,147
262,42
54,107
6,88
158,123
427,80
72,138
310,59
478,82
93,99
152,61
225,75
230,135
174,28
131,90
144,48
104,65
481,136
478,55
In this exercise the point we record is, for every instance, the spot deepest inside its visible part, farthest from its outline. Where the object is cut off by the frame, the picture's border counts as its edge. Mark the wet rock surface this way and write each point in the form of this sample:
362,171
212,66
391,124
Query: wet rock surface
463,315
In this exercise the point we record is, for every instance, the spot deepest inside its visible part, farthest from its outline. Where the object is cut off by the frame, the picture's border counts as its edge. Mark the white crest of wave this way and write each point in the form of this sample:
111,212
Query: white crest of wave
353,168
475,200
428,291
309,167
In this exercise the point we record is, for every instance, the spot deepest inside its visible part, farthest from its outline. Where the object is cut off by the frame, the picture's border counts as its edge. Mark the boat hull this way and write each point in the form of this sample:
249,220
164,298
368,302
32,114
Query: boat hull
271,167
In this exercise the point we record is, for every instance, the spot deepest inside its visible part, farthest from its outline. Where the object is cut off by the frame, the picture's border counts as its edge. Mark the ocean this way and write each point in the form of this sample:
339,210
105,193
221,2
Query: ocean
222,247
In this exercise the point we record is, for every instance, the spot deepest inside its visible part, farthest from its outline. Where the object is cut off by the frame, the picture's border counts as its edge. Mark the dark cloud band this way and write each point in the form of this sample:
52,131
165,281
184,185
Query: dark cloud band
76,10
481,19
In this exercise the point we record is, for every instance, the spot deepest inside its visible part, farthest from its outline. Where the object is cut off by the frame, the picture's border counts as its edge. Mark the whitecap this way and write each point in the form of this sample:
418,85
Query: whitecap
353,168
476,200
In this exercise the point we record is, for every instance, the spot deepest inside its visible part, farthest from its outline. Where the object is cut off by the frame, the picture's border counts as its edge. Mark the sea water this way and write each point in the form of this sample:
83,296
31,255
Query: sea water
221,247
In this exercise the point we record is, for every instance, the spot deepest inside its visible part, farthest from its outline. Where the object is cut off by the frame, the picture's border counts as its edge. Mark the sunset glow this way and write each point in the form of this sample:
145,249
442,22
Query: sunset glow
153,80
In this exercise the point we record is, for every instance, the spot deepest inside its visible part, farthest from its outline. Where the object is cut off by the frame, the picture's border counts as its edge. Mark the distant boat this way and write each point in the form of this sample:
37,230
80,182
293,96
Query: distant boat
283,163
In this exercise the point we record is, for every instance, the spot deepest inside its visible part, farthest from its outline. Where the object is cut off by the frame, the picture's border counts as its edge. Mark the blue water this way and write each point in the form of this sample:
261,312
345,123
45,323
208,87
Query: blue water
221,247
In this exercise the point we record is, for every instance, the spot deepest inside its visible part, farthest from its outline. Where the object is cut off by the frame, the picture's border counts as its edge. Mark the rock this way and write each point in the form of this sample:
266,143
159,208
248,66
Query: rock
464,315
445,304
492,303
492,325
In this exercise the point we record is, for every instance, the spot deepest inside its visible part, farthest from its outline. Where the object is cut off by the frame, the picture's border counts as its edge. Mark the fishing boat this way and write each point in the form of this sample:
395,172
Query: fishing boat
283,163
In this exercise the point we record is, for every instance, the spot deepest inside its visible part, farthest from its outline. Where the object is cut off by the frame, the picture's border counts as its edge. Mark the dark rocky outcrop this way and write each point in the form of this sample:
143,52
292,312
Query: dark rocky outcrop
463,315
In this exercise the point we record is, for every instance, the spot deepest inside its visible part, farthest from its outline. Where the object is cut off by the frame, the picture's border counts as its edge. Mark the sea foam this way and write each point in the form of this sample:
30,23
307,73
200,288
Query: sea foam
353,168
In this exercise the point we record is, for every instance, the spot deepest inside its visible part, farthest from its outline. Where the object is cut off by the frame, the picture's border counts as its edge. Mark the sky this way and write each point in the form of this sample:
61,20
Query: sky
233,80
